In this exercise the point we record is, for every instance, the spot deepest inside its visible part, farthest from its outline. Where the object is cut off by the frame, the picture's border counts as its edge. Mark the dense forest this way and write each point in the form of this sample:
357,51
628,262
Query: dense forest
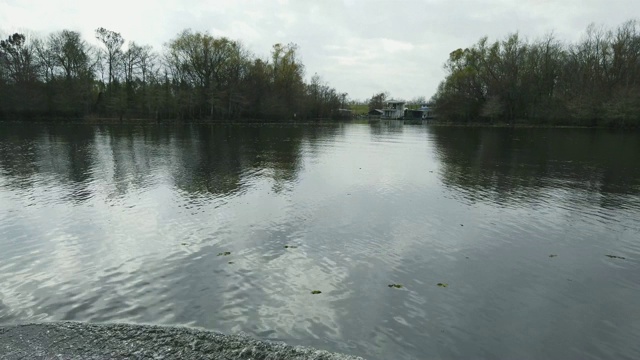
595,82
195,76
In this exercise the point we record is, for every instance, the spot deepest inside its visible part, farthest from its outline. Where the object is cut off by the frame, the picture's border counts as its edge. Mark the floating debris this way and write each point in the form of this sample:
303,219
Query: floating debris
231,263
397,286
290,247
316,292
184,244
443,285
615,257
226,253
553,255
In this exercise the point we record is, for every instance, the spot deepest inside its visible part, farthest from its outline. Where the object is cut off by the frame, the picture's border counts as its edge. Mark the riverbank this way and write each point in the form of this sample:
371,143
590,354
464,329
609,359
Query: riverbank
517,125
72,340
530,125
144,121
116,121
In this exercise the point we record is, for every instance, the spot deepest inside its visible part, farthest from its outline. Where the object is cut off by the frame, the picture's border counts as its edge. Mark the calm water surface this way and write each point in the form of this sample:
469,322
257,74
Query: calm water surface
125,223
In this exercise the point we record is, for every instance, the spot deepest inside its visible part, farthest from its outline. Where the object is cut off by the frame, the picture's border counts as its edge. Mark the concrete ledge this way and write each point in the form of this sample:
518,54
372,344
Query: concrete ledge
72,340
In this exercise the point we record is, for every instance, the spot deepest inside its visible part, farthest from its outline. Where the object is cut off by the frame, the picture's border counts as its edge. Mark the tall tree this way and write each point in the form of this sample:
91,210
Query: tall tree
212,66
71,54
68,63
287,72
17,58
19,69
112,42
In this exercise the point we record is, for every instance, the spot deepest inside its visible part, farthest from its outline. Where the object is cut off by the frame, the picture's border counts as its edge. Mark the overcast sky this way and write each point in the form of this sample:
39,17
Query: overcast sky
358,46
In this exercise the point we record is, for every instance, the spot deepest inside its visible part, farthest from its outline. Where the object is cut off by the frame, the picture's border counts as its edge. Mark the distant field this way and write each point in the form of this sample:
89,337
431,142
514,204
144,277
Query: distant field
359,109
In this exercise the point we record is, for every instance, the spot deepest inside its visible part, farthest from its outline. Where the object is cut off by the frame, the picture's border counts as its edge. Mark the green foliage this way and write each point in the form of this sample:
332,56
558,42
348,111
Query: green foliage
397,286
20,92
196,76
321,99
17,59
377,101
593,82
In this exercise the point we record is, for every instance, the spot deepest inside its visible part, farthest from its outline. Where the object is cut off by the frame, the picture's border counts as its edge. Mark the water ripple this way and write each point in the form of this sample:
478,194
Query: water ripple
231,228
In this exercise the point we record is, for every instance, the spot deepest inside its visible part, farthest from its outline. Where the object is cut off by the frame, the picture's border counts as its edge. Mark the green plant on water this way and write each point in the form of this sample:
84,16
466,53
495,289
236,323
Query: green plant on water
397,286
444,285
316,292
615,257
290,247
226,253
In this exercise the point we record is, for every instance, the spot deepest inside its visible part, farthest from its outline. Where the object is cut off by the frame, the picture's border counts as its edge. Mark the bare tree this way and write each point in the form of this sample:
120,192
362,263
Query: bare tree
112,42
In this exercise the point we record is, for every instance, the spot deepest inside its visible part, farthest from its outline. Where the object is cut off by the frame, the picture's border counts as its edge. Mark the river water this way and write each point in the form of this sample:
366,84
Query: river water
231,227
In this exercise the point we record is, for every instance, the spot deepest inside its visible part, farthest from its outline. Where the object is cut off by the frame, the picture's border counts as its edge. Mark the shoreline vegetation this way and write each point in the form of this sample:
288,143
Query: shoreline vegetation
195,76
248,121
594,82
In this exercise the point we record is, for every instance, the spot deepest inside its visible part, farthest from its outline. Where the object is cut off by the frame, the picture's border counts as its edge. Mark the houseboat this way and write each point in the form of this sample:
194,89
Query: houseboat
427,112
422,113
394,110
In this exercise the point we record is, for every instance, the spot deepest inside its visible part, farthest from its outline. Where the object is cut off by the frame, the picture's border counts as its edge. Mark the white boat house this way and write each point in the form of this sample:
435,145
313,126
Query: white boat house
394,109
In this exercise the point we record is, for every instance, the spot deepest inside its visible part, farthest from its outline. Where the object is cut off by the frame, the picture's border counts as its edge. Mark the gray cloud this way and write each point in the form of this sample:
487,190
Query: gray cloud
358,46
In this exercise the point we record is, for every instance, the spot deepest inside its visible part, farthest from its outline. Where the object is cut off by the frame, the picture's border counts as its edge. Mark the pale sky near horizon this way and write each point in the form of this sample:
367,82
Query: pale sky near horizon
360,47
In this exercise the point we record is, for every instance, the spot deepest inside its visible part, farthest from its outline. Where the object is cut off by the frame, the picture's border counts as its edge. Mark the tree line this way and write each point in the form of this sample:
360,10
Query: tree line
593,82
195,76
